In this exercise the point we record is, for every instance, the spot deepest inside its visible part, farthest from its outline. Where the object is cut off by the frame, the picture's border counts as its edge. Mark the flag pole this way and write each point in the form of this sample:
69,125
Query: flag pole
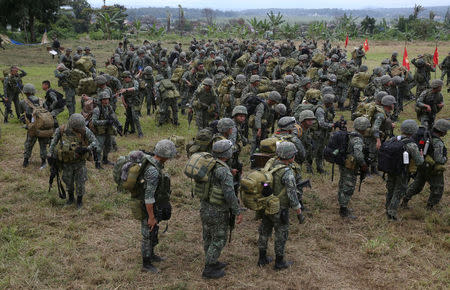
437,65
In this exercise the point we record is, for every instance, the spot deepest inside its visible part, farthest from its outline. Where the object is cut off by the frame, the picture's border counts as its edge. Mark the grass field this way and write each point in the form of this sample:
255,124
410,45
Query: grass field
44,244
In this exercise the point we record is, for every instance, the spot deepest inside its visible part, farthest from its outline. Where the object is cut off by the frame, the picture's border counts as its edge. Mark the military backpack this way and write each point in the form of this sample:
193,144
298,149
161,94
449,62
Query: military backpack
390,155
336,149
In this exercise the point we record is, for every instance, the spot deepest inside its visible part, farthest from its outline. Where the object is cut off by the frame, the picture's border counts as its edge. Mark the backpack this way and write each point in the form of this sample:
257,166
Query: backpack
225,85
42,123
87,86
318,58
251,103
75,76
177,74
243,60
336,149
256,190
265,85
360,80
127,170
84,64
201,143
390,156
421,137
269,145
367,110
168,90
198,168
60,97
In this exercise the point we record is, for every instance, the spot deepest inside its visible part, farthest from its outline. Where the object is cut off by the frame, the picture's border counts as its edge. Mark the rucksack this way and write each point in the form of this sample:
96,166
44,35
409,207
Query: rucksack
84,64
421,137
256,190
177,74
60,97
198,169
251,103
201,142
360,80
269,145
367,110
128,169
168,90
336,149
390,156
75,76
42,123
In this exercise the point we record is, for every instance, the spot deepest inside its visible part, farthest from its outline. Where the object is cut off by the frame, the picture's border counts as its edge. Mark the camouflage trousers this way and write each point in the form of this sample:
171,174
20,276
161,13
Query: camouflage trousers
347,184
74,176
13,98
29,144
215,227
132,119
396,186
341,95
165,108
426,120
56,112
371,144
436,182
420,88
148,244
70,100
104,146
202,118
445,72
269,223
320,142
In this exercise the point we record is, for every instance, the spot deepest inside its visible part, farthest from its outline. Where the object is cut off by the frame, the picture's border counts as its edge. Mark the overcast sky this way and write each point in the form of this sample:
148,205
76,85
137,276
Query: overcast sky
252,4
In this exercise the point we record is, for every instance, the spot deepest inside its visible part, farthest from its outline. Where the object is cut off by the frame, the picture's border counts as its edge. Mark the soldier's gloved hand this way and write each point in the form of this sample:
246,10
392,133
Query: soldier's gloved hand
81,150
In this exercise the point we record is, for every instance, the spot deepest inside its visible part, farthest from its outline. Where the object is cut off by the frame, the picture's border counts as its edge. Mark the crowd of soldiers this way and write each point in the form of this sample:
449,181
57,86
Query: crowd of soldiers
242,92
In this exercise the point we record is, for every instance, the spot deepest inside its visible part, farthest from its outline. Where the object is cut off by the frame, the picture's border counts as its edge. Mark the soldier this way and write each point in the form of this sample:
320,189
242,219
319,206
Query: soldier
131,101
166,96
422,75
343,77
430,102
284,187
140,62
216,209
433,168
66,59
103,117
237,89
264,117
239,116
354,163
251,89
304,86
27,107
397,183
54,102
205,104
62,73
78,54
88,53
324,115
164,69
71,146
119,49
393,62
445,68
149,89
190,81
13,85
103,88
115,86
359,55
154,201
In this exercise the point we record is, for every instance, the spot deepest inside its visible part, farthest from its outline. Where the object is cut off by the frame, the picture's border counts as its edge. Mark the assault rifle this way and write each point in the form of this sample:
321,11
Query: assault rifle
116,124
231,222
300,185
54,172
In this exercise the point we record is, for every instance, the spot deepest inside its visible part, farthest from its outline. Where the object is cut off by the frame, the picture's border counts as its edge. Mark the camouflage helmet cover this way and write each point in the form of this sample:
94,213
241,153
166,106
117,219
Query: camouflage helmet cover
286,150
165,149
361,123
29,89
239,110
409,127
76,122
224,125
306,115
223,149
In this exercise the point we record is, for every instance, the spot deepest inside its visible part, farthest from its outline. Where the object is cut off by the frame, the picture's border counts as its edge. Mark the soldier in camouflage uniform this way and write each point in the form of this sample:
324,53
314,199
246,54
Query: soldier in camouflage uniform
284,187
66,59
52,104
237,89
422,76
433,169
324,115
304,86
190,81
62,73
164,69
154,200
102,119
306,119
397,183
70,147
26,106
251,89
430,102
239,116
216,209
88,53
359,55
131,102
166,96
13,85
264,117
343,78
149,90
445,68
354,163
205,104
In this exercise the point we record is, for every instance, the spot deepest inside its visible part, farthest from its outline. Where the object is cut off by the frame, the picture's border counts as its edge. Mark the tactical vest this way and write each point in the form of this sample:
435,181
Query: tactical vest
162,193
14,83
216,195
103,129
65,150
302,107
279,189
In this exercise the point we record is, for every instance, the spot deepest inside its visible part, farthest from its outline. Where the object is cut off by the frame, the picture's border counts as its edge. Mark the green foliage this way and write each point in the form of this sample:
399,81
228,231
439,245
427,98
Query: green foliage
275,21
368,25
96,35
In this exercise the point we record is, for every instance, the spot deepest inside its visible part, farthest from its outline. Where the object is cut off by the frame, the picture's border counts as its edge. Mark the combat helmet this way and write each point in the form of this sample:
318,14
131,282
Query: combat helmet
165,149
442,125
286,150
409,127
286,123
29,89
76,122
224,125
306,115
361,124
239,110
223,149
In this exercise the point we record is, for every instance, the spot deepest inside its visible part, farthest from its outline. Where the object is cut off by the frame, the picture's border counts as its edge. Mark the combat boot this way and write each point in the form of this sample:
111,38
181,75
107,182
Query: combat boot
97,165
263,259
70,200
404,203
147,266
106,161
155,258
211,272
25,162
346,213
281,264
79,202
43,163
220,265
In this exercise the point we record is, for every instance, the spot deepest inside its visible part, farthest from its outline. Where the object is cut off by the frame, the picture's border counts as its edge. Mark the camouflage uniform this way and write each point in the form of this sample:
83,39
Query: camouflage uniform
284,186
325,118
52,104
104,130
66,60
205,105
12,86
264,117
148,91
422,76
397,184
166,103
69,91
445,67
433,174
428,97
31,140
74,172
132,109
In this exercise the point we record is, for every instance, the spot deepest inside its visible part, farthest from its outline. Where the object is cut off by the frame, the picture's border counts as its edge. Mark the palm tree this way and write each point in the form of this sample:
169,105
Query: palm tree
107,21
417,10
275,21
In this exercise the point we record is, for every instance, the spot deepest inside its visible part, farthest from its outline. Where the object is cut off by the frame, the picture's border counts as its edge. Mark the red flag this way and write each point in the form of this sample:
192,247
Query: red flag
405,59
346,41
435,57
366,45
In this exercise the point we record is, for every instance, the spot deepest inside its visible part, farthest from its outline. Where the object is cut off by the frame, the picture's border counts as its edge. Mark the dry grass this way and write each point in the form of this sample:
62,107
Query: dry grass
44,244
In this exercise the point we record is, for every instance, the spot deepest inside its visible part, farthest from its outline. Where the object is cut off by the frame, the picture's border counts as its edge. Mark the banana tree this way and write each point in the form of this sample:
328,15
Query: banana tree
107,22
275,21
